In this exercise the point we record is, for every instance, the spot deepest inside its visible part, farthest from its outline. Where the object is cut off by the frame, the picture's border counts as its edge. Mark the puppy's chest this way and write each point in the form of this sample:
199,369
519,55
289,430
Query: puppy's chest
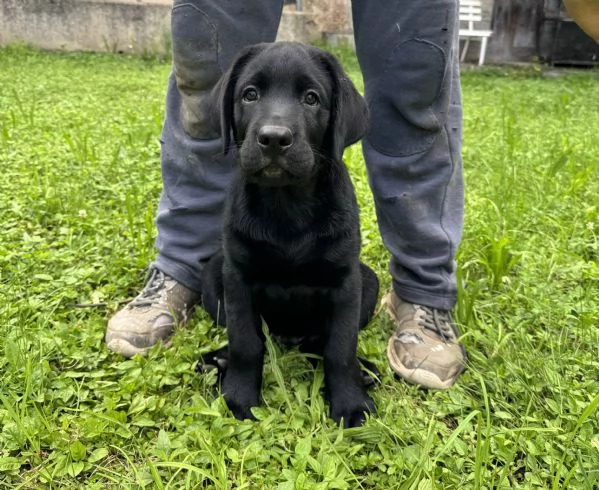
310,264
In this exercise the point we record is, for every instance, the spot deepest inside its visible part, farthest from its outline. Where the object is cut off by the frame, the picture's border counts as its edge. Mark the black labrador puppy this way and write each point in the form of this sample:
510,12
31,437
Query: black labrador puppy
291,236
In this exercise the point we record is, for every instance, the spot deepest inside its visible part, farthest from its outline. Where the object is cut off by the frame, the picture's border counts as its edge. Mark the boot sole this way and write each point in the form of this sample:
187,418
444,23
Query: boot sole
126,349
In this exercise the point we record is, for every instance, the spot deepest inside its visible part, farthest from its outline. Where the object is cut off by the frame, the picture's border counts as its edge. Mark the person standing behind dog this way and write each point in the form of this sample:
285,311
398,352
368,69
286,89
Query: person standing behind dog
407,51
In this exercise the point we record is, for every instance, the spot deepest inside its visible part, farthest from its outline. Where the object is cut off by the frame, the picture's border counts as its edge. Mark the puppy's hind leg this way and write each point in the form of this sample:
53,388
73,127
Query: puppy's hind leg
212,289
371,376
212,299
370,292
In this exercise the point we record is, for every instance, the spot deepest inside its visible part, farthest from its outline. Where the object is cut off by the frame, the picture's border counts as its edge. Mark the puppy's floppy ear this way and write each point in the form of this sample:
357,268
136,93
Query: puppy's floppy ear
349,112
220,104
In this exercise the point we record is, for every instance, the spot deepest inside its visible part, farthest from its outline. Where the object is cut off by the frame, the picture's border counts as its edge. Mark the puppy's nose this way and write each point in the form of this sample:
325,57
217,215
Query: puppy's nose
274,138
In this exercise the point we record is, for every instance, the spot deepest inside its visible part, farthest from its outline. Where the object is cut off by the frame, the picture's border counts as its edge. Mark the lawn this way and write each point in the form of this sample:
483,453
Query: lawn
79,186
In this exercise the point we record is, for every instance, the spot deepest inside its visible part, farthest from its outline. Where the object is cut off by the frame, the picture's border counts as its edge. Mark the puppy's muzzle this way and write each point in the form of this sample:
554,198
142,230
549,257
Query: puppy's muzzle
274,140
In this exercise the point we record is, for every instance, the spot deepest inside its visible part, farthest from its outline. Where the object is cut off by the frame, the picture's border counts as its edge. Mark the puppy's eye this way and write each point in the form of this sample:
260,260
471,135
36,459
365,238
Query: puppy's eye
250,95
311,98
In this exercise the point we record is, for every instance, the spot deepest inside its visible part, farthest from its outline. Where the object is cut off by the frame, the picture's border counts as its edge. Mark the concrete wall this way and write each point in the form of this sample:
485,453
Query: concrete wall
298,26
129,26
96,25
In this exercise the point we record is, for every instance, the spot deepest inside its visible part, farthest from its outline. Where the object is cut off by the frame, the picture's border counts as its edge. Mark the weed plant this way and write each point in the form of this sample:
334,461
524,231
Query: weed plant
80,181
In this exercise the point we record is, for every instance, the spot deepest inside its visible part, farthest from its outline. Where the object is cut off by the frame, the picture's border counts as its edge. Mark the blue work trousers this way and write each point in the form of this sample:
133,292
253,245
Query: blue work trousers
407,51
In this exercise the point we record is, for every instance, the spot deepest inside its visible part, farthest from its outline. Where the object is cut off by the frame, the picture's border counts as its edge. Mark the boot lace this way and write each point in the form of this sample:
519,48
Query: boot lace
151,293
438,322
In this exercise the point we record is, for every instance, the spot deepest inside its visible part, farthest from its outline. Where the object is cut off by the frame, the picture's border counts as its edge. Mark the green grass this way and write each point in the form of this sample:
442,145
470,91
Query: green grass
79,185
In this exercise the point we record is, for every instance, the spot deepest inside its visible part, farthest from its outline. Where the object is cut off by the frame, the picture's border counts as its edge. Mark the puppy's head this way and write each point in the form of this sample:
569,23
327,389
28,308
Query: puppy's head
289,109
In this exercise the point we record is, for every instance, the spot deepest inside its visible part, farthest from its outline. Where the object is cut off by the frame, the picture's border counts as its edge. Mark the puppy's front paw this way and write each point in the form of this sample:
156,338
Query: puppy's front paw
352,408
240,399
241,410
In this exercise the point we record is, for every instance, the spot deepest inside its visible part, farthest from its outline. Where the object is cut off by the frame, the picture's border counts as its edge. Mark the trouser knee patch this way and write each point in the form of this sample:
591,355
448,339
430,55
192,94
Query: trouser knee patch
405,103
196,66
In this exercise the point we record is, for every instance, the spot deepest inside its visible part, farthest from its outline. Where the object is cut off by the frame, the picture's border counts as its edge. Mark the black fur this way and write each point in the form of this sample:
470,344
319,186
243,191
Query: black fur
291,235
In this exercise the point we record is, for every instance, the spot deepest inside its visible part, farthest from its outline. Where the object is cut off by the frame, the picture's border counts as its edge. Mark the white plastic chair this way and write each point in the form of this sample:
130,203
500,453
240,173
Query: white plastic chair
471,12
